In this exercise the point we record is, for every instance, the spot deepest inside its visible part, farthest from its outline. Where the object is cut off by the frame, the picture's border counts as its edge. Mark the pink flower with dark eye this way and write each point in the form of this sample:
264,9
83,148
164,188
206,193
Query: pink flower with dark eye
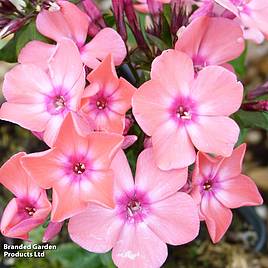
211,41
181,112
148,213
252,15
77,168
30,206
107,98
39,101
218,186
71,22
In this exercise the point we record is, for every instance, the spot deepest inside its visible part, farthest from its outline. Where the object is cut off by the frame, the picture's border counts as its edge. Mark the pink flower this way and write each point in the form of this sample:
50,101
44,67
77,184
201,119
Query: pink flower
142,5
71,22
253,16
219,186
107,98
39,101
181,112
147,214
77,168
211,41
30,206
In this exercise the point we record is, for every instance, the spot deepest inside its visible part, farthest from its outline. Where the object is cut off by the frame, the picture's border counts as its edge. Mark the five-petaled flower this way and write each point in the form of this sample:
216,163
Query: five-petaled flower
106,100
77,168
30,206
70,22
39,101
219,186
148,213
181,112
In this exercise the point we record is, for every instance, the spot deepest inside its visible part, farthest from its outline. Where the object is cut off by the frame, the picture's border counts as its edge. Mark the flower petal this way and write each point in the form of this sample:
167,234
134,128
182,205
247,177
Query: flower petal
85,228
138,246
157,183
172,146
237,192
37,53
107,41
215,134
218,218
174,219
175,70
217,91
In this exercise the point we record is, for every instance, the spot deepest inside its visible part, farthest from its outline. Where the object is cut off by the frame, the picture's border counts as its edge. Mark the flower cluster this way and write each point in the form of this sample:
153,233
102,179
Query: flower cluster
68,93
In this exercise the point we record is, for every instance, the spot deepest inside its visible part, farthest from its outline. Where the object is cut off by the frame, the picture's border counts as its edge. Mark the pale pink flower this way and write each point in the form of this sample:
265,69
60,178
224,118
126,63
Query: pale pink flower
107,99
219,186
77,168
181,112
71,22
211,41
148,214
30,206
252,15
39,101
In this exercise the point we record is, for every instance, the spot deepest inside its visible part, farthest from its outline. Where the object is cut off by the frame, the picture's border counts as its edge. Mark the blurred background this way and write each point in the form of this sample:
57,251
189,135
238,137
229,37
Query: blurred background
243,246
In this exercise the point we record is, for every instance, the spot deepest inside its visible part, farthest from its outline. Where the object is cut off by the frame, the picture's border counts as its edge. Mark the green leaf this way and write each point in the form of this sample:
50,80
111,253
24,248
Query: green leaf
166,34
8,52
251,119
239,64
242,136
27,34
157,42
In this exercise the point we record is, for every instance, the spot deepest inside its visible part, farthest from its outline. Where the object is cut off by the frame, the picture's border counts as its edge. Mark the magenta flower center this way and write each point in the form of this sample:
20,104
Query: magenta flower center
59,103
207,185
101,104
79,168
133,207
183,113
30,210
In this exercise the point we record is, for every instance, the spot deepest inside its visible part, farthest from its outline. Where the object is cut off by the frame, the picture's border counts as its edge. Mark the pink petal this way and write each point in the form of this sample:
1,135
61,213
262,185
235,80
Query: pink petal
106,42
13,176
175,219
228,5
66,201
44,167
52,231
232,166
101,237
29,116
218,218
151,106
122,173
68,22
214,134
157,183
26,83
37,53
138,246
172,146
237,192
64,70
217,91
128,141
175,70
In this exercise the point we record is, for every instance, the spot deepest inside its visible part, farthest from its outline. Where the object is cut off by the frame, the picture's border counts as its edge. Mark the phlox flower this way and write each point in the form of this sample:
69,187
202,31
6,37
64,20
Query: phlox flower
219,186
30,206
211,41
252,15
181,112
77,168
71,22
149,212
39,101
106,100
